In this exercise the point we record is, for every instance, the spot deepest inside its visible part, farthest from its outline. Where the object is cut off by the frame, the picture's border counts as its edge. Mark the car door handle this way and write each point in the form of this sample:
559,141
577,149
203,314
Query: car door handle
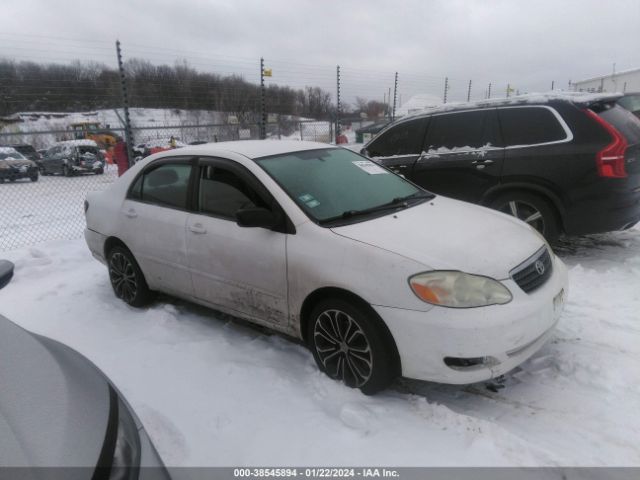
131,213
197,228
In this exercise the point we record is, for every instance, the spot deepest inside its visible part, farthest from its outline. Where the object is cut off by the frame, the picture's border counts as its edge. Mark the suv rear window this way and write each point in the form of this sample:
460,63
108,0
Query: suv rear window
403,139
529,126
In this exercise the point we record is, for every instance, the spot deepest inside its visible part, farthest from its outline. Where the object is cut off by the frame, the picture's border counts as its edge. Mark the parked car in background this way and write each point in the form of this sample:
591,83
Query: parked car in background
57,409
14,166
560,163
73,157
379,277
631,101
26,150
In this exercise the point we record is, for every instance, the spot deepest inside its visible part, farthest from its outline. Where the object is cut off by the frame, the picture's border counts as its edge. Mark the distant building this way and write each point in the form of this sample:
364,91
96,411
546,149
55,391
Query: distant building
626,81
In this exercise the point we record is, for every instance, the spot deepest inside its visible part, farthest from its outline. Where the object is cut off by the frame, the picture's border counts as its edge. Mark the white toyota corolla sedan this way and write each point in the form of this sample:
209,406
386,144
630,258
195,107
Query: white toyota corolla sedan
379,277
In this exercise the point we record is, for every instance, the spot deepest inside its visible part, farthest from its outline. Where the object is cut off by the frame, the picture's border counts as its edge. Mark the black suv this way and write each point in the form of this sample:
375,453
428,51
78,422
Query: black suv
561,163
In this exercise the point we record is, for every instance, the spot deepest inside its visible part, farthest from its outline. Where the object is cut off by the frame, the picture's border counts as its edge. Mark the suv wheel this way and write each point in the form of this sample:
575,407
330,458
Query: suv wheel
127,280
349,345
66,171
531,209
34,177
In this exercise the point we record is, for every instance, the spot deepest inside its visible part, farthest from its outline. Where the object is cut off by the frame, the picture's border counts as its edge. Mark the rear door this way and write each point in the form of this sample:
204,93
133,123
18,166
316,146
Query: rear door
237,269
153,222
400,146
463,155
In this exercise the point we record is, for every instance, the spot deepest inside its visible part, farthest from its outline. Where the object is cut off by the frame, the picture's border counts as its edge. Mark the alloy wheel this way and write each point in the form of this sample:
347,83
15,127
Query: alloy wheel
123,277
525,212
343,348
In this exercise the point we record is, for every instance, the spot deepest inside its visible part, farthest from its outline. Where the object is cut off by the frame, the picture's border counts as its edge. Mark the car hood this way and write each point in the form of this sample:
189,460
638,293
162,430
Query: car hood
447,234
16,162
54,403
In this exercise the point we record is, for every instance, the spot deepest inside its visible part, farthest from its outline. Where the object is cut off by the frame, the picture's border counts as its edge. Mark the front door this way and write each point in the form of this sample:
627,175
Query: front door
242,271
463,155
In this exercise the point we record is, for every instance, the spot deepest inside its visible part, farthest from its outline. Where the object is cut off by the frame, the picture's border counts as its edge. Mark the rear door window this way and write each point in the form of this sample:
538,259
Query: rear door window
524,126
405,138
462,131
166,185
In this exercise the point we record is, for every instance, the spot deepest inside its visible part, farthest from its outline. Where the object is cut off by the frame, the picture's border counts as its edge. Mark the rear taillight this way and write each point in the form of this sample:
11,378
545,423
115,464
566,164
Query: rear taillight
610,160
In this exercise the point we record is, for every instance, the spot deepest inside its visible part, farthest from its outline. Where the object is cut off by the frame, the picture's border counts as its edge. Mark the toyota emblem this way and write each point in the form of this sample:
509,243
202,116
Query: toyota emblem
540,267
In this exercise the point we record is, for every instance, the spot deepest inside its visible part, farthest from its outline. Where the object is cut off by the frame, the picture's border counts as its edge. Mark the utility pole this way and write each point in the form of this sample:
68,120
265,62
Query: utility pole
263,105
446,88
489,91
395,93
128,134
469,92
338,127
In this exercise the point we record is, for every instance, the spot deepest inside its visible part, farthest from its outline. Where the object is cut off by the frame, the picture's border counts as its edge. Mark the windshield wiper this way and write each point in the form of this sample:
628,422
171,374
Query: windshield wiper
398,202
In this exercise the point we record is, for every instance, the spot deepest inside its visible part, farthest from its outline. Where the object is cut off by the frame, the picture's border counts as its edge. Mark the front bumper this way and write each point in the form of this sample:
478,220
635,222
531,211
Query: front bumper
498,337
16,173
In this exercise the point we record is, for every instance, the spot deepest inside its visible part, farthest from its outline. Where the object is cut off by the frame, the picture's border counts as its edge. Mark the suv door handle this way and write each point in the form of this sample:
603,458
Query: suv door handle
131,213
197,228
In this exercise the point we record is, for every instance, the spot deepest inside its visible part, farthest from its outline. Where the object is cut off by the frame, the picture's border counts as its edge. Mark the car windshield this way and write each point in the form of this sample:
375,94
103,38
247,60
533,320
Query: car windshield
6,153
334,184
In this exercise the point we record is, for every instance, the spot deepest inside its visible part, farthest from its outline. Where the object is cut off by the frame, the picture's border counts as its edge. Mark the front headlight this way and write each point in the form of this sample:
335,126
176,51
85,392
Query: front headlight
458,290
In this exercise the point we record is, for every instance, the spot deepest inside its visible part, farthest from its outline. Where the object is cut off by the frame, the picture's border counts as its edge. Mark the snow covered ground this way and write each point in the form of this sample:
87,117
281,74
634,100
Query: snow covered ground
214,391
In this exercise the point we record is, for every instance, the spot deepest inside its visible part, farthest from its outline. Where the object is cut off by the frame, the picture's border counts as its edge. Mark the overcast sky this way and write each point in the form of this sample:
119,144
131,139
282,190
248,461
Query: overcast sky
525,43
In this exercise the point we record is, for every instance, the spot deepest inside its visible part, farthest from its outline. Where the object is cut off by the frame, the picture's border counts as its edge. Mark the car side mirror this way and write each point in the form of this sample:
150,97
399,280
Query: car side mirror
256,217
6,272
364,152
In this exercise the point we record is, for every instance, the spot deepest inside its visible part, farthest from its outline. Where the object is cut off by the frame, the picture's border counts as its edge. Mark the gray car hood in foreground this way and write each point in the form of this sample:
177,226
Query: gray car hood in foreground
54,404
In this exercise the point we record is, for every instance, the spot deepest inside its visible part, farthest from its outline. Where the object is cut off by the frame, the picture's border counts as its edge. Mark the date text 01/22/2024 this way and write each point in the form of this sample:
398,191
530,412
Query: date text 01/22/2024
315,472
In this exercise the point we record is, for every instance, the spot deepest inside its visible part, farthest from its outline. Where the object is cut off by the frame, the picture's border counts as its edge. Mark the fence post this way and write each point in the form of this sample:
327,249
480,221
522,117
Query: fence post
508,89
553,83
446,88
338,129
128,134
489,91
469,92
395,95
263,105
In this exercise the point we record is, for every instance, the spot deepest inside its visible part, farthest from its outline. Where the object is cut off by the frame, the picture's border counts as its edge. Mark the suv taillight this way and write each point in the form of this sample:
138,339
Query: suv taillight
610,160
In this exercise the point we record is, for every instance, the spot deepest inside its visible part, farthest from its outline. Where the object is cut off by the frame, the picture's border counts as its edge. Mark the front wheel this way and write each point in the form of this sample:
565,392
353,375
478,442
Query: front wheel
531,209
349,344
127,280
34,178
66,171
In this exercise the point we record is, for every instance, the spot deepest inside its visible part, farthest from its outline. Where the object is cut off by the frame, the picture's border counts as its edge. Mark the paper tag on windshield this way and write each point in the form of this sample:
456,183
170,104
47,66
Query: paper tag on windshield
369,167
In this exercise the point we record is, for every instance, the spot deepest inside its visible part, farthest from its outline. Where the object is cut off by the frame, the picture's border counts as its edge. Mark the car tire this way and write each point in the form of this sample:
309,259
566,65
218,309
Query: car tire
99,172
127,280
34,178
349,343
533,210
66,171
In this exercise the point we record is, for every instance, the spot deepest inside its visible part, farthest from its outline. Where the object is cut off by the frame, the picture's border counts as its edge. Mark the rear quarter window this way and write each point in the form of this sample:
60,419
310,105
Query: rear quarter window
523,126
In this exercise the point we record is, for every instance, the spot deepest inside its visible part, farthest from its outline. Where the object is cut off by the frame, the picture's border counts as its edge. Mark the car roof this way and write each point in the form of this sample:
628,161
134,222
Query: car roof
251,148
579,98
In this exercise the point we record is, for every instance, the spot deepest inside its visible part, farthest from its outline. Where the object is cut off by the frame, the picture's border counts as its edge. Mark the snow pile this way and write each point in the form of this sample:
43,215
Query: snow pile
418,103
213,391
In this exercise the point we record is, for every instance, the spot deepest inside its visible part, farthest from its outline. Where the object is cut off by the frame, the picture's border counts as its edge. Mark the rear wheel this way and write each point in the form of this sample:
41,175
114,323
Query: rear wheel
531,209
66,171
349,345
34,177
127,280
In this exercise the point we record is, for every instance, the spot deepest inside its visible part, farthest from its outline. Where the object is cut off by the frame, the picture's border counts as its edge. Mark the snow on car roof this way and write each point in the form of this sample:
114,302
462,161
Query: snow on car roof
529,98
253,148
79,143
